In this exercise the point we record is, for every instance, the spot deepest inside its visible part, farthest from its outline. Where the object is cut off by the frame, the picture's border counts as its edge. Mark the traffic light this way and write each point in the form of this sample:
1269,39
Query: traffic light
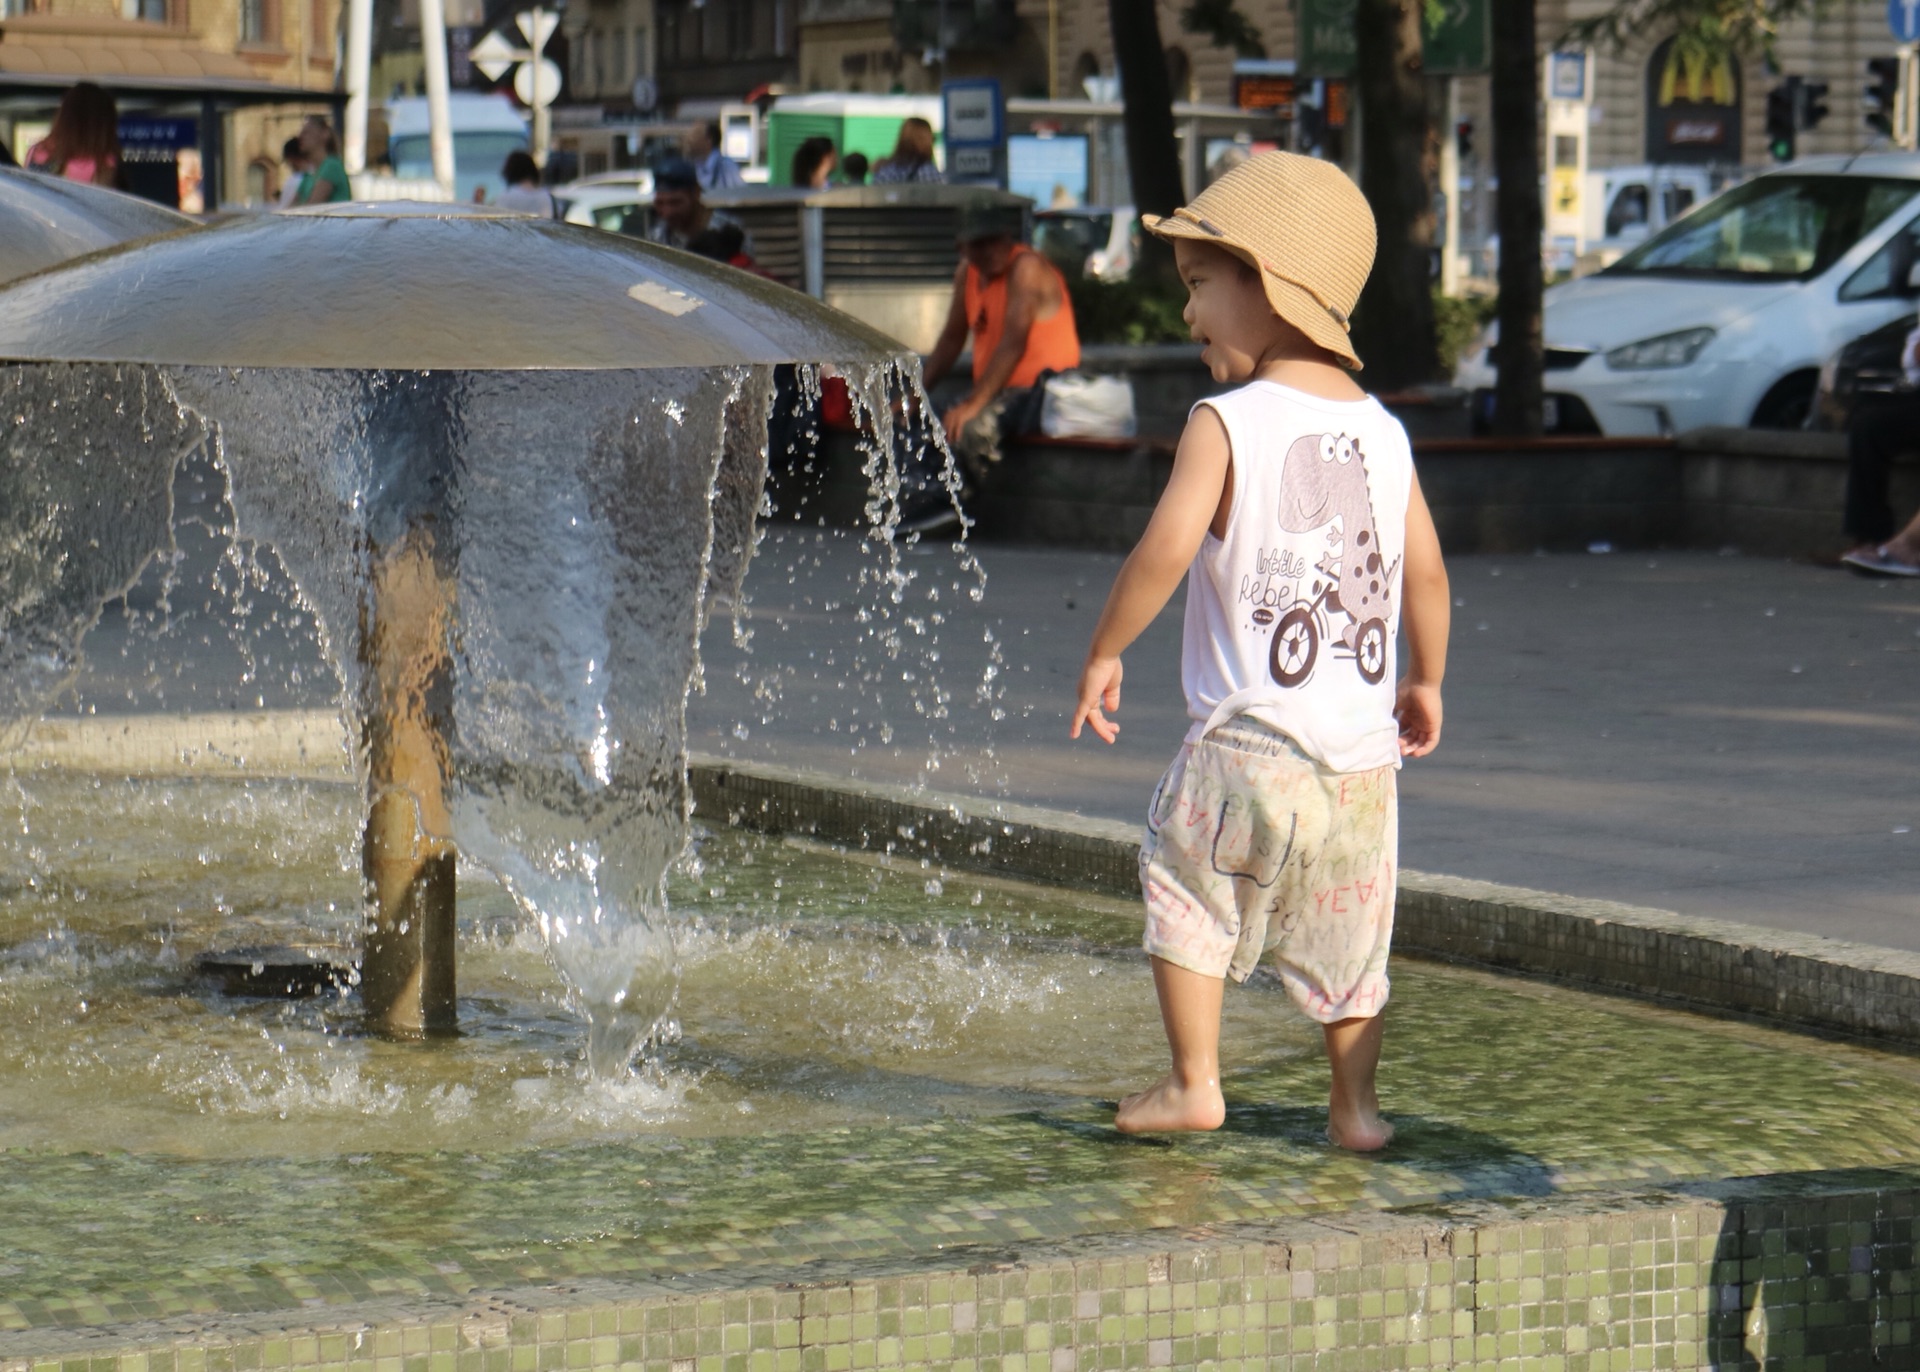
1783,111
1310,128
1463,138
1882,93
1813,104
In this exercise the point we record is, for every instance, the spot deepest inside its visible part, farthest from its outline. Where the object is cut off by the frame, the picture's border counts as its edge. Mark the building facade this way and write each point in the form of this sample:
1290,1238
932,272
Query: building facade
210,87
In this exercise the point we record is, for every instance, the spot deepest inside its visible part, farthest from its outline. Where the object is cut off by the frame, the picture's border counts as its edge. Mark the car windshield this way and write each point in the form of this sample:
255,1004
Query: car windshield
1770,229
474,154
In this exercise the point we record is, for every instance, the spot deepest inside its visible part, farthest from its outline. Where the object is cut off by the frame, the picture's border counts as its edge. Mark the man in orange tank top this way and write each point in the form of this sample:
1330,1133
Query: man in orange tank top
1014,303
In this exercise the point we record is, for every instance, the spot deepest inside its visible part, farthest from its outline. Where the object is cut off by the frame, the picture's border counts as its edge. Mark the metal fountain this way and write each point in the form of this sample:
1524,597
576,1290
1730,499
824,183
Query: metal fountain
504,461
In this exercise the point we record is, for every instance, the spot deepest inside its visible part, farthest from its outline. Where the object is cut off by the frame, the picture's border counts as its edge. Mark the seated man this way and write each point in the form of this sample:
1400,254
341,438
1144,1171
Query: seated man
1014,302
679,214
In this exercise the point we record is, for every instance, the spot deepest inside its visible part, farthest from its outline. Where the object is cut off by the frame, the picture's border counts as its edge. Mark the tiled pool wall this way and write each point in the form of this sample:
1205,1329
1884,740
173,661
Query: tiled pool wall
1716,966
1803,1282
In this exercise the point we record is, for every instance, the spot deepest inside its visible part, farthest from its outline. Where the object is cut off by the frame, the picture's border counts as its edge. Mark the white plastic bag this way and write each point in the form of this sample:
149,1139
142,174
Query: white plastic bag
1078,405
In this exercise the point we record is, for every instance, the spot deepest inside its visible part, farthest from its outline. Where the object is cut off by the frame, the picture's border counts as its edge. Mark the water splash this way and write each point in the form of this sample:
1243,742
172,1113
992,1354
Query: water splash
580,528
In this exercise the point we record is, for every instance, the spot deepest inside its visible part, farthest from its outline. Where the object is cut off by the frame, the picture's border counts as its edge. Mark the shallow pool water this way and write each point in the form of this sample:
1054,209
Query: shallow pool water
874,1061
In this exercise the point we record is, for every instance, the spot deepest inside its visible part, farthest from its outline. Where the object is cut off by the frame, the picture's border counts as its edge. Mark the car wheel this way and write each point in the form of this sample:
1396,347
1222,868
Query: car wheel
1789,404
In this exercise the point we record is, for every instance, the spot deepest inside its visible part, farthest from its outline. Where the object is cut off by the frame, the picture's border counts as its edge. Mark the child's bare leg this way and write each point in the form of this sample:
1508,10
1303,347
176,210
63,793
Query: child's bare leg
1353,1109
1188,1097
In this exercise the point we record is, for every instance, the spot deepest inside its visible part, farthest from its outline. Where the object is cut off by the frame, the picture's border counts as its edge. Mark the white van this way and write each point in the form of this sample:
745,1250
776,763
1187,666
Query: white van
1627,205
1726,316
485,129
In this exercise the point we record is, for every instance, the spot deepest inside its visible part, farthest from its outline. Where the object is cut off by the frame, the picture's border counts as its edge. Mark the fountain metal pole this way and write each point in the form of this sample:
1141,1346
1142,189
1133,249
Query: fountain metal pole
358,74
433,51
407,975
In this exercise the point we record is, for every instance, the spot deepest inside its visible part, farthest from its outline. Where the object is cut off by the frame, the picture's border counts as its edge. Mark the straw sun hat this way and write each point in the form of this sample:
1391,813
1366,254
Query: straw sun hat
1299,222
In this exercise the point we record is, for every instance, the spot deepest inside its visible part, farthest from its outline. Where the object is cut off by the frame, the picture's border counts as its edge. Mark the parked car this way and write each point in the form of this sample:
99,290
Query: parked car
619,202
1862,371
1089,240
1727,315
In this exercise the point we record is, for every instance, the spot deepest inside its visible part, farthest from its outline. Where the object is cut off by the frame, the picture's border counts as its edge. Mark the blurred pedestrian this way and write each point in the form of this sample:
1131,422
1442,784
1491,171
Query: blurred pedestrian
912,158
84,142
813,162
1898,556
853,169
524,191
714,169
293,170
679,214
327,182
1880,430
1015,304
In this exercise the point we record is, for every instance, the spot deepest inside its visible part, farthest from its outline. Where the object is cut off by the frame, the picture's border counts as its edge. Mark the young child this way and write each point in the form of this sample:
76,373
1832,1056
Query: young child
1294,514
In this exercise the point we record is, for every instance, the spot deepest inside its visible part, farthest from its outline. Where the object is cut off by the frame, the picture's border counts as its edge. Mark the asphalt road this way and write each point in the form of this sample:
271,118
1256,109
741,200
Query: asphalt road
1719,735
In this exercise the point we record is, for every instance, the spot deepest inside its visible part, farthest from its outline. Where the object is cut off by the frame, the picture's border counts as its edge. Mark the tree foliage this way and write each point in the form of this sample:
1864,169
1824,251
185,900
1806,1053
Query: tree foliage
1700,28
1221,22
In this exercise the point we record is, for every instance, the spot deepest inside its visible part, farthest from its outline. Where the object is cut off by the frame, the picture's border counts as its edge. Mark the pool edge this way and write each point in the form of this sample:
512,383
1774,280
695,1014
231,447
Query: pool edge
1802,981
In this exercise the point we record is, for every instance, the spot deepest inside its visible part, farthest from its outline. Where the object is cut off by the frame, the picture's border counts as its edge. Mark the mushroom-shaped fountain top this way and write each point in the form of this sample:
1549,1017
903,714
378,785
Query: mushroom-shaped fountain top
419,287
45,220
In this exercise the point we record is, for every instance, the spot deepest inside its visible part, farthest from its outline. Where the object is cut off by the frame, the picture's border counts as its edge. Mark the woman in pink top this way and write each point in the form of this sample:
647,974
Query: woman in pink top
84,143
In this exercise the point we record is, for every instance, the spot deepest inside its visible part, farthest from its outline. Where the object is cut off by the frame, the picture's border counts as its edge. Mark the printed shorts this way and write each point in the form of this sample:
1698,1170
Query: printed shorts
1252,845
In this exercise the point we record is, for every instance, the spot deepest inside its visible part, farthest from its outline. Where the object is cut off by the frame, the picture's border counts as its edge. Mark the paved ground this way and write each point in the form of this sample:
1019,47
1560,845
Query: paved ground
1718,735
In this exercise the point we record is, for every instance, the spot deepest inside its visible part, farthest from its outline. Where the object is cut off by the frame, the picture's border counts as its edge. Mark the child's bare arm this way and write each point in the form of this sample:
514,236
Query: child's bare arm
1155,566
1426,615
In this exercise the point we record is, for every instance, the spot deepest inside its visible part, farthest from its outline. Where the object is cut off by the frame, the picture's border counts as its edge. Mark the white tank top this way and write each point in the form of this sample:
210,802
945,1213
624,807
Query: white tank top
1293,617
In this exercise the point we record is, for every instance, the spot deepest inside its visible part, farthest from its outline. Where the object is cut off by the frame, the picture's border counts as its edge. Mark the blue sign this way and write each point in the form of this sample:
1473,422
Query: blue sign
1903,17
158,133
975,131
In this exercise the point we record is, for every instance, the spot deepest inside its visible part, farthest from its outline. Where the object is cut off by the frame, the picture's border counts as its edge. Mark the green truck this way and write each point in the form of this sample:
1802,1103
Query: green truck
867,124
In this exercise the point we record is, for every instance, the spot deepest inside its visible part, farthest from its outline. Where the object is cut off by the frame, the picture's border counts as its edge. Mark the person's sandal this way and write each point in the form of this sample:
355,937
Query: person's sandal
1878,562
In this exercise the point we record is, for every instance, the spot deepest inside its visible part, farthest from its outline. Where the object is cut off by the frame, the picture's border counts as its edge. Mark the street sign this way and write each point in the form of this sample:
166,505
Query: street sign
494,55
1456,39
536,26
1328,45
1903,17
548,89
975,131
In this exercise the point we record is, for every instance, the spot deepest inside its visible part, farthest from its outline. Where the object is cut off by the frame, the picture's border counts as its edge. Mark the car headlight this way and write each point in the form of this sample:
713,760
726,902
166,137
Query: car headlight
1668,350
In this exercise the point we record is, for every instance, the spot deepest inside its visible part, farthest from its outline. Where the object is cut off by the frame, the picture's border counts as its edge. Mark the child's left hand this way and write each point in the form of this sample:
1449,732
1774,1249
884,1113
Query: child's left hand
1099,686
1418,710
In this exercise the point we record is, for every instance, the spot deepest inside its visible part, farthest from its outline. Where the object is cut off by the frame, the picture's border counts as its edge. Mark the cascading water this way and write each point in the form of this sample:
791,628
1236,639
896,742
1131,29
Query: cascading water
563,525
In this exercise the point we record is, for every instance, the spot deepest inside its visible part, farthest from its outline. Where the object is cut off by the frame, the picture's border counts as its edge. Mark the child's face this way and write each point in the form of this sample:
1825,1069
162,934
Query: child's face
1227,311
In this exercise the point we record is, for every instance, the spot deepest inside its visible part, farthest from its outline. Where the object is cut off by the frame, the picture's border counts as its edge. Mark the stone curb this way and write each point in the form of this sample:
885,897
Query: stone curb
1801,980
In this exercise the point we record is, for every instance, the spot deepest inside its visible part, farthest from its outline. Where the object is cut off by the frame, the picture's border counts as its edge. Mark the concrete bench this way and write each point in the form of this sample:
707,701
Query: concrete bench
1072,492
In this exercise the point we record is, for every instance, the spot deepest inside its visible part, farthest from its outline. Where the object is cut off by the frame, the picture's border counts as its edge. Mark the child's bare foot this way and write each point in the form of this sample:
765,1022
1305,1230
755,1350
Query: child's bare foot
1358,1135
1168,1107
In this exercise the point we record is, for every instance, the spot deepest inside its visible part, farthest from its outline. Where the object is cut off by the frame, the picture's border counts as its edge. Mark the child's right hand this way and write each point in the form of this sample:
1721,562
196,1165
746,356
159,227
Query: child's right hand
1418,710
1099,686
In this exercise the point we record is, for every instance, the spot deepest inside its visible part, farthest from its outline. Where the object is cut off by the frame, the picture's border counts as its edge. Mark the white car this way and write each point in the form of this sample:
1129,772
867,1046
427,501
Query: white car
619,202
1726,316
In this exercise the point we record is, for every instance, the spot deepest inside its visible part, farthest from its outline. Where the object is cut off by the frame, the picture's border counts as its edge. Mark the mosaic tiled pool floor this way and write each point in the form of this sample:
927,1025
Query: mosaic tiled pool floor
1500,1089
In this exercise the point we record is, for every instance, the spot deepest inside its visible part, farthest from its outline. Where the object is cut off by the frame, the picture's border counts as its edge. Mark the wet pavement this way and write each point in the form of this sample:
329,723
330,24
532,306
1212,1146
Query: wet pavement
1718,735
